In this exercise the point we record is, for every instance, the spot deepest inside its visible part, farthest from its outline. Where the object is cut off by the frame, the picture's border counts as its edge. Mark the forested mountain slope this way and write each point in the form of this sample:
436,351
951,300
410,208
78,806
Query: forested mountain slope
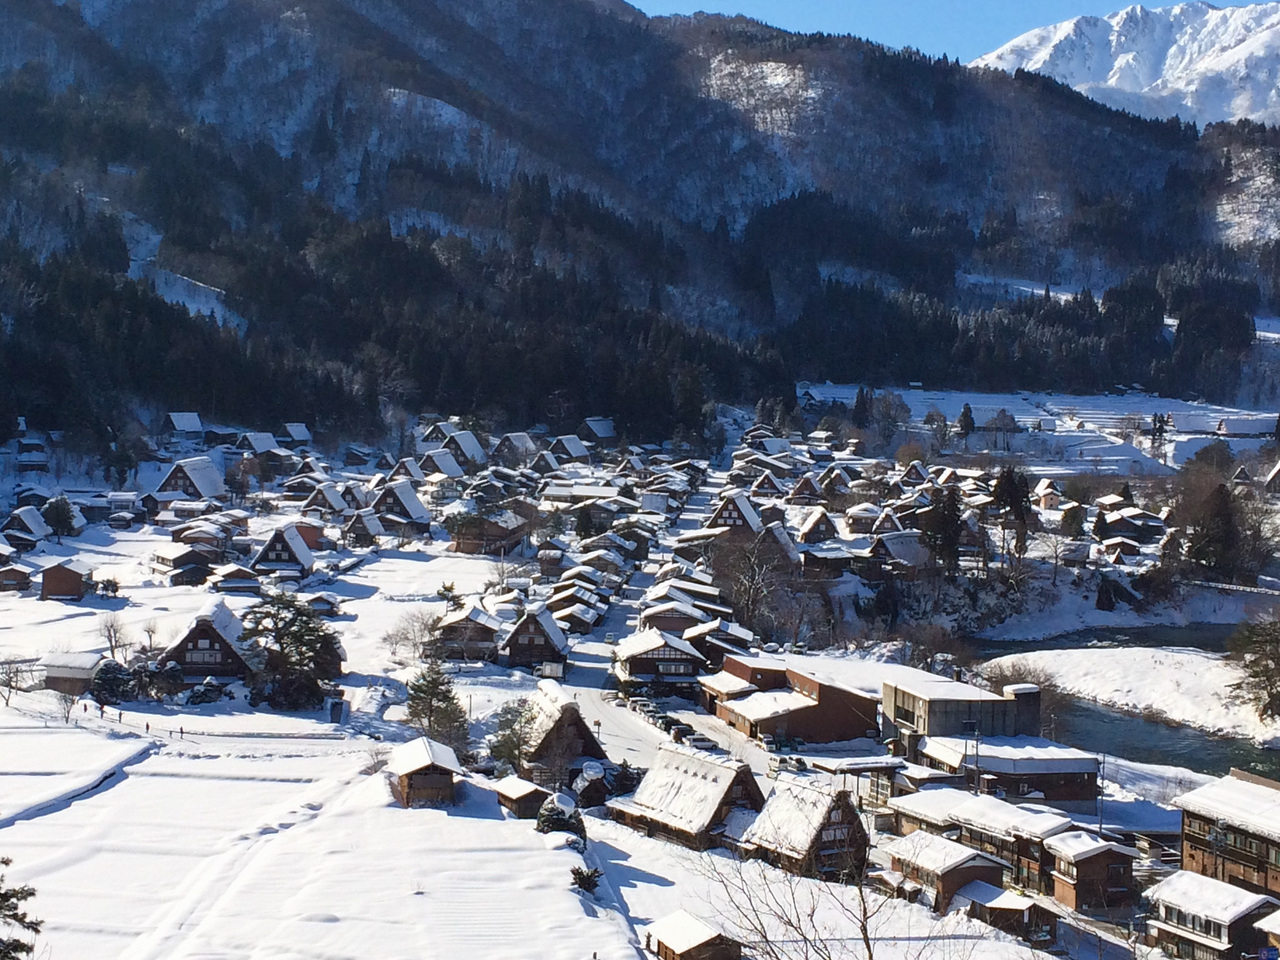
534,209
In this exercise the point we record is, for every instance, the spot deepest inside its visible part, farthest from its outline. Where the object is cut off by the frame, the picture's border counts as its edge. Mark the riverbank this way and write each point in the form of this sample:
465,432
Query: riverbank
1181,685
1071,608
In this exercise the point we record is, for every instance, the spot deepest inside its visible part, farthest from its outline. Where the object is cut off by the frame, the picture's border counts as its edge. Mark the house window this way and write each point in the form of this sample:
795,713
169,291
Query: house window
202,643
835,833
675,668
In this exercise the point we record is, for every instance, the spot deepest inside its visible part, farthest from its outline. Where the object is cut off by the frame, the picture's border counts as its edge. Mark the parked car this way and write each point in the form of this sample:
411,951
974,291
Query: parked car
766,741
780,764
639,703
700,742
680,732
664,722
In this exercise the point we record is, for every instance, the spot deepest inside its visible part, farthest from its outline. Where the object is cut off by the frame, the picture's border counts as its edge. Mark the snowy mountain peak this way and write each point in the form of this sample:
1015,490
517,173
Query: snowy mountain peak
1193,60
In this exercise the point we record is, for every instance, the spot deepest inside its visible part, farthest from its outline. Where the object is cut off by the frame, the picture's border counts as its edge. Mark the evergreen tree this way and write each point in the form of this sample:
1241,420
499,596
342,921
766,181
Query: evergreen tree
1276,433
511,735
434,708
860,415
1012,492
944,529
553,818
113,683
1257,647
1215,542
58,515
301,650
964,422
15,919
1073,521
1100,532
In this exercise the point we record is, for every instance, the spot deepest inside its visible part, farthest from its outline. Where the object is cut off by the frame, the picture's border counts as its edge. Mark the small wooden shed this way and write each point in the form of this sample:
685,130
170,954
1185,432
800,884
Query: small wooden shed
424,771
682,936
523,798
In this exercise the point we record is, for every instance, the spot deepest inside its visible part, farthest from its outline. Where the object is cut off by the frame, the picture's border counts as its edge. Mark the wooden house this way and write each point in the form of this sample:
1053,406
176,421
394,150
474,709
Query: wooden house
737,513
818,527
941,866
806,493
559,738
809,829
70,673
535,639
285,553
498,532
235,579
467,450
1196,916
682,936
686,796
470,633
196,478
363,529
569,449
651,656
400,510
522,798
326,502
182,428
598,431
1090,872
212,646
25,524
68,580
423,772
407,469
766,485
15,576
441,461
516,450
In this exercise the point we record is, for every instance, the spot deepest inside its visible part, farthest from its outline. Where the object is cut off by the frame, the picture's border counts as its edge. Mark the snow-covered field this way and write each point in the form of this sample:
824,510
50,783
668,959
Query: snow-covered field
1187,686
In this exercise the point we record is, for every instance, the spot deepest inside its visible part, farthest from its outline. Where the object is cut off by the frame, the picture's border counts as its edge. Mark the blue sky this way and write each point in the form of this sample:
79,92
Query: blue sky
959,28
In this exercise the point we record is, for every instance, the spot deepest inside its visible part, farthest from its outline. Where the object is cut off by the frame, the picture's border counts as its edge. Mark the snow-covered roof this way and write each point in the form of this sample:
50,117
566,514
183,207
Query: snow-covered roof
1240,799
600,427
768,704
186,422
546,619
293,539
1009,755
934,854
409,506
572,445
258,441
515,788
993,897
994,816
297,432
443,461
681,932
930,806
1076,845
1207,897
423,752
792,816
684,788
372,522
474,613
70,662
471,447
34,521
720,626
1270,924
647,641
204,474
676,608
724,684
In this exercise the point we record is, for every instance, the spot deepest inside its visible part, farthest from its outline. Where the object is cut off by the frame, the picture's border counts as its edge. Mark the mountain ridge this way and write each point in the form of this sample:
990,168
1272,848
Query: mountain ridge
1201,62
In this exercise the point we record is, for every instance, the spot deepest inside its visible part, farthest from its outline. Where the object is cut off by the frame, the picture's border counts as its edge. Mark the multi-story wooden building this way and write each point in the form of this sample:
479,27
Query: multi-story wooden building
1231,831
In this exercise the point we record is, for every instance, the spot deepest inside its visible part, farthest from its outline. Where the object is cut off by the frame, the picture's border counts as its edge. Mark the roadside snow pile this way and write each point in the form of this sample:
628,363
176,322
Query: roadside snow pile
1191,687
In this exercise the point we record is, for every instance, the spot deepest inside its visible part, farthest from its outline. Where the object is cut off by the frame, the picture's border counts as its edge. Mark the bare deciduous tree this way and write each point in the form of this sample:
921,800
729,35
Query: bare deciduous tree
13,676
414,635
111,630
66,703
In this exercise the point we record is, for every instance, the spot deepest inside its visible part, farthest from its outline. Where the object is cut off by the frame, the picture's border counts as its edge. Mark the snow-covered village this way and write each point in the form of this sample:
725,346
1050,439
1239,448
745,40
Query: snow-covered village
629,479
926,674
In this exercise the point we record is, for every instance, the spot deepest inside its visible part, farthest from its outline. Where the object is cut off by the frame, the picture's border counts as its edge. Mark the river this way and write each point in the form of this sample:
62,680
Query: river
1100,729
